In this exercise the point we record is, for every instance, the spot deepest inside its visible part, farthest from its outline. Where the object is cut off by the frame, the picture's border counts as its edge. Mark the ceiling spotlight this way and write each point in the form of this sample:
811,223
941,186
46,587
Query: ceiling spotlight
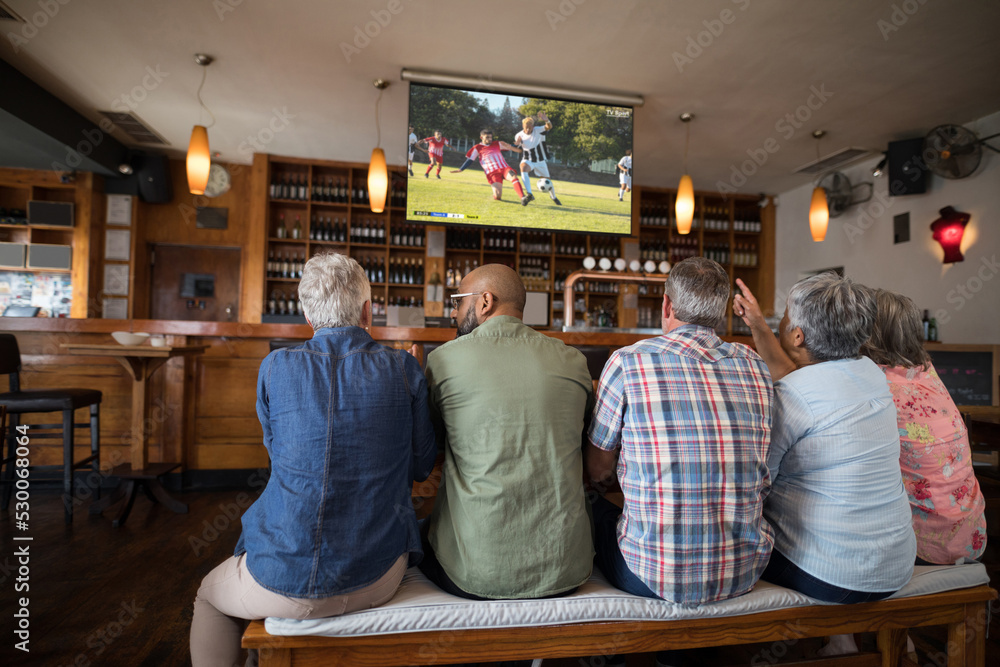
125,168
880,167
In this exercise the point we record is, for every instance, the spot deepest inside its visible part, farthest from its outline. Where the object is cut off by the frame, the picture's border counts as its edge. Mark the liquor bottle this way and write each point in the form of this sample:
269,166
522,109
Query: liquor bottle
297,230
270,263
932,332
303,188
275,188
313,228
449,276
927,325
281,231
285,266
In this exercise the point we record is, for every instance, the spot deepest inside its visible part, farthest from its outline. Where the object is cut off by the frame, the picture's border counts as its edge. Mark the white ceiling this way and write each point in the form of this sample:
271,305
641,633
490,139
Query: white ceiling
887,74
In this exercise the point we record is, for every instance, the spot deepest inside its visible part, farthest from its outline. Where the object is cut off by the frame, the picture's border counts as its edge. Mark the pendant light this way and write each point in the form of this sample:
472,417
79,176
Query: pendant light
199,159
378,174
684,207
819,211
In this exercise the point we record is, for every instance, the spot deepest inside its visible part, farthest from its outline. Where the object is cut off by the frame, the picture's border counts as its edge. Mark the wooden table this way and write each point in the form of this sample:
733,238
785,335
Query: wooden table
140,361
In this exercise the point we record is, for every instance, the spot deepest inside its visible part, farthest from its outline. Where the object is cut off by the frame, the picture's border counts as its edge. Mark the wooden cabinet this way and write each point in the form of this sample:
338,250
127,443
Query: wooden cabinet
312,206
18,187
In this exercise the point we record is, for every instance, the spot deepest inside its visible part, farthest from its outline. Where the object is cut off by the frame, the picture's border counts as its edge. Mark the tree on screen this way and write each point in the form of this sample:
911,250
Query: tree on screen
454,112
581,132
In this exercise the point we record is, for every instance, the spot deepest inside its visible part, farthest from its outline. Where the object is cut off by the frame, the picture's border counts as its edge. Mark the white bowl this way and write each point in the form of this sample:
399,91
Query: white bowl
127,338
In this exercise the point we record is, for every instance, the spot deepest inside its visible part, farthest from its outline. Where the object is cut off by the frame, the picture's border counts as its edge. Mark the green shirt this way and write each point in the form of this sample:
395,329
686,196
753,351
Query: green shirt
509,404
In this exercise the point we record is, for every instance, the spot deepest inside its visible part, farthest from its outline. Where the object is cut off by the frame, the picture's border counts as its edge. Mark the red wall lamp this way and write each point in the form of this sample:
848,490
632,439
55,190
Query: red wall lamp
948,231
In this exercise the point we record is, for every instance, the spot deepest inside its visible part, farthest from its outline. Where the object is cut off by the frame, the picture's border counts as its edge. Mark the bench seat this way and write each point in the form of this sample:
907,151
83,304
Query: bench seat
423,625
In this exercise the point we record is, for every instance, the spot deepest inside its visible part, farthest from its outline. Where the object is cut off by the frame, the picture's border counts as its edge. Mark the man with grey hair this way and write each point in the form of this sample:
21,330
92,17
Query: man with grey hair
837,503
688,417
347,427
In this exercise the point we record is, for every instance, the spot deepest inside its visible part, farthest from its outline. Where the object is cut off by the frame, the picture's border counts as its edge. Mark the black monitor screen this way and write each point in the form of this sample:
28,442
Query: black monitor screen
547,164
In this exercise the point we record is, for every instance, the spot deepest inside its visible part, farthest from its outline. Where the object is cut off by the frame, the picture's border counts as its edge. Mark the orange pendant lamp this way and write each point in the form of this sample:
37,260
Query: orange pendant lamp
199,158
819,209
378,173
819,215
684,206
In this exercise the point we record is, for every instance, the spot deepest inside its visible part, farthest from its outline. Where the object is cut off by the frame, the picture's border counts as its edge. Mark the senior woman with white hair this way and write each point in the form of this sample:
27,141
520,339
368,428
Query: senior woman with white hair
840,513
347,426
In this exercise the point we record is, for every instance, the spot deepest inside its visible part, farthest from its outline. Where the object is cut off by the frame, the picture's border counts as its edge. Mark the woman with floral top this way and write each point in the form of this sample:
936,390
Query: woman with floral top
934,451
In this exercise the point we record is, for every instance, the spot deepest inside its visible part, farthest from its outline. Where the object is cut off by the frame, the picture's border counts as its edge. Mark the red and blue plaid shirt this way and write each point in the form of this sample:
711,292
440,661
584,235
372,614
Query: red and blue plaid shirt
692,416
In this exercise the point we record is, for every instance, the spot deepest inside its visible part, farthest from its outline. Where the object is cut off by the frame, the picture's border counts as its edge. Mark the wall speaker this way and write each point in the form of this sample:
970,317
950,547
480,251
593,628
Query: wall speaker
152,173
12,255
49,256
55,213
907,171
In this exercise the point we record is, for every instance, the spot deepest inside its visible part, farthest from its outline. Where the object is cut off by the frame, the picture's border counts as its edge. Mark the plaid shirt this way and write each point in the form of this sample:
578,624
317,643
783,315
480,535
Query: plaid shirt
692,416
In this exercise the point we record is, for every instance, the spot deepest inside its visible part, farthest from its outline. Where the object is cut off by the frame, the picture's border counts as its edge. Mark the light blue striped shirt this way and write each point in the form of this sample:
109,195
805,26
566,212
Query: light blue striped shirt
837,502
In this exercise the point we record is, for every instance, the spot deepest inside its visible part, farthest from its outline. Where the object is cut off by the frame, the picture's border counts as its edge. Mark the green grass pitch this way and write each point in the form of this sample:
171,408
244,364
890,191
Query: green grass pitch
587,208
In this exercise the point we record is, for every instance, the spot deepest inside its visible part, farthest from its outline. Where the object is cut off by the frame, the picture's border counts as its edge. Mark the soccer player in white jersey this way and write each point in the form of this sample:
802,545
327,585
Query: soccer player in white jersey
488,152
409,152
533,157
625,174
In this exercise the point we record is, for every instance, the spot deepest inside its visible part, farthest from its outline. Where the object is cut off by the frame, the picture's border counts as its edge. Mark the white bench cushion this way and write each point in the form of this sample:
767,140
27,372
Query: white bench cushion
420,606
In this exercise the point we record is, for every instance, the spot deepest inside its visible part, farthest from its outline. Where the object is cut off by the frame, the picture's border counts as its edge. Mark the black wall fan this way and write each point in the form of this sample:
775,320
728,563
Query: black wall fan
954,151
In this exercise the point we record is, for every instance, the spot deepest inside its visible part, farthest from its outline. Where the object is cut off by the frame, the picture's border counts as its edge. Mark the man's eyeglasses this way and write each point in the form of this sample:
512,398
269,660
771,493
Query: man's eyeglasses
456,299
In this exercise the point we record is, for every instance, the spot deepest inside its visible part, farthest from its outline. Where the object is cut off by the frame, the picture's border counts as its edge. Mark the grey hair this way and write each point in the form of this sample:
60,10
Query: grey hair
836,315
333,291
698,288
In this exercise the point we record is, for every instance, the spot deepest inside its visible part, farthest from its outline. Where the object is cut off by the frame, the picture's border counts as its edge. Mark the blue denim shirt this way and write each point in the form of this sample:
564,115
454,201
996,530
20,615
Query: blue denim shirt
347,426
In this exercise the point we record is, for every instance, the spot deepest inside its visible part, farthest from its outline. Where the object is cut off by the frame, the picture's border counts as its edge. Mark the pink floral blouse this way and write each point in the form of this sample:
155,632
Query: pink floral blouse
937,470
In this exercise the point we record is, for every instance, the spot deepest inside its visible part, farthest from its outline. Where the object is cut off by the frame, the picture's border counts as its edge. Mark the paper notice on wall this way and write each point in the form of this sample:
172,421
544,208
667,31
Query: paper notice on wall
120,210
435,244
115,309
116,279
117,244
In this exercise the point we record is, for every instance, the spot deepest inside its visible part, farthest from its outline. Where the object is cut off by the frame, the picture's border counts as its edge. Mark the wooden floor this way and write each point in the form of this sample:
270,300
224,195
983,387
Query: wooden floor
105,596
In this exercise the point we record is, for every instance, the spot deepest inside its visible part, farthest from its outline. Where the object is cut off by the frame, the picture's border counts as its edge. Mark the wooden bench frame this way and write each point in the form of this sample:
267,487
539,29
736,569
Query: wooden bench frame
964,611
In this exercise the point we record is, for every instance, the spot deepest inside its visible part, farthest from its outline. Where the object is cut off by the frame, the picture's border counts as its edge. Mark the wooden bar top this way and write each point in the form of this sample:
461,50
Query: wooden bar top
243,330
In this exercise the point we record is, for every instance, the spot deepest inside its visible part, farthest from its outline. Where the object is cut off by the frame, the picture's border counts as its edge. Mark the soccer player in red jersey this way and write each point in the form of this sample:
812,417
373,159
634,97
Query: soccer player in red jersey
435,150
488,152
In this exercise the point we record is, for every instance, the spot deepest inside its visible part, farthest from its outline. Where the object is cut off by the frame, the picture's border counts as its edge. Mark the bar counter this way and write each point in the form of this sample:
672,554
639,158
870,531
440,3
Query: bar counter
203,410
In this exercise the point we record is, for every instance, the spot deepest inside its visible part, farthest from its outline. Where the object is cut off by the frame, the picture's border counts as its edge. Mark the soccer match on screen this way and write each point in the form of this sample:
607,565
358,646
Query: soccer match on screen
504,160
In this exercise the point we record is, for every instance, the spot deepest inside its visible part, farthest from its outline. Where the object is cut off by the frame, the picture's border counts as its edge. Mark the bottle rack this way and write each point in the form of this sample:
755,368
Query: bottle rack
314,208
328,205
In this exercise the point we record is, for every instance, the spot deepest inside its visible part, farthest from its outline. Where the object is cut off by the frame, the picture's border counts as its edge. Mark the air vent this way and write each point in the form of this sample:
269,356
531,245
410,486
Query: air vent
833,161
133,127
8,14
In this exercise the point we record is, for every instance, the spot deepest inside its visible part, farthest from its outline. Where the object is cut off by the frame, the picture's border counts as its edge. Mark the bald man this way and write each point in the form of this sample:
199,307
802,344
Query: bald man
509,405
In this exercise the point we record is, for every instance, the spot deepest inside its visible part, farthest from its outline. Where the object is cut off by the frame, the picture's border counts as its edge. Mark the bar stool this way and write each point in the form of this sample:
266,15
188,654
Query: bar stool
18,402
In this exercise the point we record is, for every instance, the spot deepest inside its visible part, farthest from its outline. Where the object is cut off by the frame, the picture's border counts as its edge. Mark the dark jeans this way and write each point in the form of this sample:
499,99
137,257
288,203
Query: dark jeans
608,556
784,572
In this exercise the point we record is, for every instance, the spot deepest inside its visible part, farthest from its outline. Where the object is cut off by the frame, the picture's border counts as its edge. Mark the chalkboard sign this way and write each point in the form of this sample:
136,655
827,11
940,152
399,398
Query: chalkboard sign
968,375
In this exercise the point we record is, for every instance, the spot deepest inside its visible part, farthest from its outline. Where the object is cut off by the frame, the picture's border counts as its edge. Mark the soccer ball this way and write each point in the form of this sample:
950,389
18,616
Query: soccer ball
544,184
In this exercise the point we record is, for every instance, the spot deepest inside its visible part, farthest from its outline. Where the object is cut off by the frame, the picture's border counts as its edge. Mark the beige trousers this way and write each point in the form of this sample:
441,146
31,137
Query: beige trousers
229,596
